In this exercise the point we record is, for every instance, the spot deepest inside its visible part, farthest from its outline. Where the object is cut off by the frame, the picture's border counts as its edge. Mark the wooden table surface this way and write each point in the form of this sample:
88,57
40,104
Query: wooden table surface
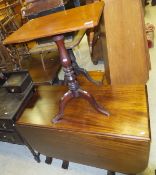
127,106
119,143
82,17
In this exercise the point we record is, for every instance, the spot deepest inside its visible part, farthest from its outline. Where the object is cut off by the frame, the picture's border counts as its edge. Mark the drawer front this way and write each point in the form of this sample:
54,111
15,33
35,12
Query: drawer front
10,137
6,125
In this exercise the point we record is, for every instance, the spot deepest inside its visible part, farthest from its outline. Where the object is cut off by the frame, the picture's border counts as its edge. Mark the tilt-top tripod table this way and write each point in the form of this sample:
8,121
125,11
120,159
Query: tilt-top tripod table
56,25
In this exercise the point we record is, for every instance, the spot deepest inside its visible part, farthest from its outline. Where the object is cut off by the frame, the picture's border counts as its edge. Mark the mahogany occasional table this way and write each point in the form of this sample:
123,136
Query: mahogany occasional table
56,25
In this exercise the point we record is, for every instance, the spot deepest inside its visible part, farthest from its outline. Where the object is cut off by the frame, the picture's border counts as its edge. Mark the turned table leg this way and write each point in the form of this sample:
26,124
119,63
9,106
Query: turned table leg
74,89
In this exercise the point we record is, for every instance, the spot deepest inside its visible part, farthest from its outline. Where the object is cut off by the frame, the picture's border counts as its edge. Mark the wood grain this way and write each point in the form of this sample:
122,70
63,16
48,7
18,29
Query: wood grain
119,143
116,154
128,57
83,17
123,103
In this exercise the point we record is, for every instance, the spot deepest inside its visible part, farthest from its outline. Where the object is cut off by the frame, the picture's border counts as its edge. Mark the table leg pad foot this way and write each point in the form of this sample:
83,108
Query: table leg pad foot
65,164
48,160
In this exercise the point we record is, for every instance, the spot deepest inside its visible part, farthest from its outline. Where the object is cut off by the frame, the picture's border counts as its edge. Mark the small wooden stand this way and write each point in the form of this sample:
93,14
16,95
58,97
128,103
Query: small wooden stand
75,19
74,89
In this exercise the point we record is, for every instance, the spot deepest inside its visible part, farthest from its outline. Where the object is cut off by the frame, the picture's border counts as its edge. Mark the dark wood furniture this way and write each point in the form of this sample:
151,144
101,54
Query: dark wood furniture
16,89
67,21
72,21
122,46
35,9
128,57
14,95
119,143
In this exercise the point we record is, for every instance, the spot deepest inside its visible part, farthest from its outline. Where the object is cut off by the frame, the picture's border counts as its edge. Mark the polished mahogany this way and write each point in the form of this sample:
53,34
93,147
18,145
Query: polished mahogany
118,143
83,17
